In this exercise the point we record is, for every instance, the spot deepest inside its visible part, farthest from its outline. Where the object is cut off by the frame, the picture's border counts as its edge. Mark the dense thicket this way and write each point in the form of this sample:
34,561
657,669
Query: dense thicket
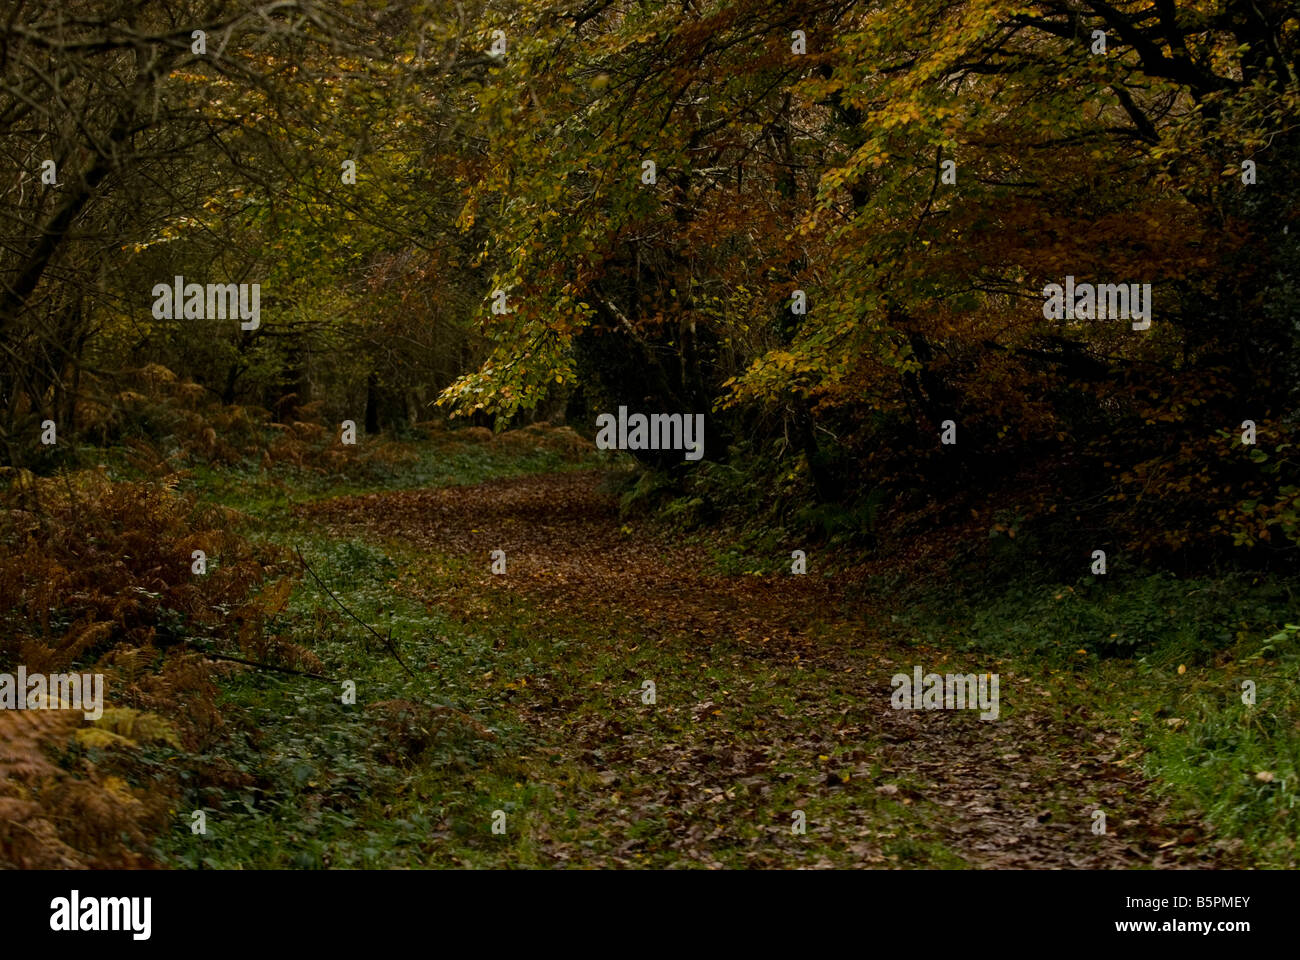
647,186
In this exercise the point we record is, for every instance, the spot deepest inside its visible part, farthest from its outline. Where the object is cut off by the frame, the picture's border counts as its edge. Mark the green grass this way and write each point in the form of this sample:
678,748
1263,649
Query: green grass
268,492
315,763
1117,645
318,794
321,798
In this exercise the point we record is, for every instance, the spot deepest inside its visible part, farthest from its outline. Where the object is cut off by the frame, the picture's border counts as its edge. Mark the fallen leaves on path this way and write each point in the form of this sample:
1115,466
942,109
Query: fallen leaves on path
1015,793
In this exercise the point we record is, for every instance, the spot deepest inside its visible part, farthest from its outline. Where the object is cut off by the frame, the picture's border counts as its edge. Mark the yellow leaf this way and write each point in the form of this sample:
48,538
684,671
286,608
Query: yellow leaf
274,597
135,726
96,738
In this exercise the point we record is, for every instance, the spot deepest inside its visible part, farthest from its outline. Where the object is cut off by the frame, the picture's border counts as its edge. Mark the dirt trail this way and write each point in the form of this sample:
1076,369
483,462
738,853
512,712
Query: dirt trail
1017,792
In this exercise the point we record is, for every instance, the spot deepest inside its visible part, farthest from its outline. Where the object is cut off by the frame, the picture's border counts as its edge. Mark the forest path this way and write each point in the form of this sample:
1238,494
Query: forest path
772,694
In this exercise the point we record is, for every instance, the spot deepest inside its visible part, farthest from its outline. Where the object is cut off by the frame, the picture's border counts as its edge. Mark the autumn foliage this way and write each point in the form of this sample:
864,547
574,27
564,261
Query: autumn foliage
919,173
96,577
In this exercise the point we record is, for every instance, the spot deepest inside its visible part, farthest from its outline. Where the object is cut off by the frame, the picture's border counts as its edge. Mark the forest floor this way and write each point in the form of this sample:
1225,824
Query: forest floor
521,702
772,694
